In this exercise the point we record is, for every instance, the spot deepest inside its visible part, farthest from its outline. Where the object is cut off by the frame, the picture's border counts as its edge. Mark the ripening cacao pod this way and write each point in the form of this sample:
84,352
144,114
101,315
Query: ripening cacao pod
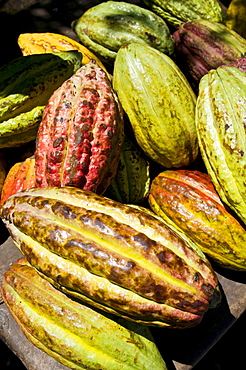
220,121
177,12
203,45
188,200
80,138
159,103
3,170
75,335
21,176
132,180
47,42
235,16
112,256
26,83
105,27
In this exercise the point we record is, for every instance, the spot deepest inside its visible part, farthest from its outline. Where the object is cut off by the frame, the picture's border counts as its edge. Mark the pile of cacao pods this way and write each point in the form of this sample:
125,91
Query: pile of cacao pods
126,183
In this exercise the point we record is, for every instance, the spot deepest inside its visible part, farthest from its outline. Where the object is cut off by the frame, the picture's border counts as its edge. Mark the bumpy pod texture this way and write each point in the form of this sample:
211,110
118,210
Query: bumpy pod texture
81,134
115,257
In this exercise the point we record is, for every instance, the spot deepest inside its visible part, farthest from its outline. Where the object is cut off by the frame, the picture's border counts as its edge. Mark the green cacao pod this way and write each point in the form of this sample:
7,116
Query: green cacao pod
220,120
188,200
177,12
132,180
26,85
80,138
112,256
105,27
76,335
159,103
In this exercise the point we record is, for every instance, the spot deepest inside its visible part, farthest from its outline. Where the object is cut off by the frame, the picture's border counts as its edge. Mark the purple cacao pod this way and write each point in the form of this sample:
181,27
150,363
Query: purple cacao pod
203,45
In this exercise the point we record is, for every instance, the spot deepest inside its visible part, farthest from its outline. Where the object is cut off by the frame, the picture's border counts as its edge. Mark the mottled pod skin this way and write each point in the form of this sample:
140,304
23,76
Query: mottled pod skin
188,200
107,26
113,256
220,121
177,12
76,335
159,102
202,45
132,180
26,83
80,137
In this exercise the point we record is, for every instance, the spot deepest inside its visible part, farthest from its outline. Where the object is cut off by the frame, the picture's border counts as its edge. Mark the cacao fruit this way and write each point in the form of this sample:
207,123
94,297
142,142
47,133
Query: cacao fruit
48,42
105,27
203,45
21,176
80,138
3,170
112,256
74,334
26,84
159,103
177,12
188,200
220,120
235,16
132,180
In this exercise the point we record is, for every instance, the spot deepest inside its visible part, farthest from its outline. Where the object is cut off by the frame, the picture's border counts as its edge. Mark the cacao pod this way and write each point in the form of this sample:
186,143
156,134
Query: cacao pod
177,12
26,84
235,16
132,180
159,103
21,176
203,45
105,27
3,170
188,200
112,256
74,334
80,138
220,120
47,42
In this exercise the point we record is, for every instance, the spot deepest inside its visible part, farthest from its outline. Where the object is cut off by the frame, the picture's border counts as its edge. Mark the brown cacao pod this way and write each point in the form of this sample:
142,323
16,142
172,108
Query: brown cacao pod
74,334
188,200
80,137
112,256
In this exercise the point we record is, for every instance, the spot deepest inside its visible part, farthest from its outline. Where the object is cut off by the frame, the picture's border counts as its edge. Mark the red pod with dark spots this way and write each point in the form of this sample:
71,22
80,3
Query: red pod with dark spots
118,258
80,137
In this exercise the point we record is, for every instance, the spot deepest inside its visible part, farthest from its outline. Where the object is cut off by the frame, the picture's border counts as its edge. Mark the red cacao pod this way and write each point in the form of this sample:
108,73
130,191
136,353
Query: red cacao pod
21,176
81,134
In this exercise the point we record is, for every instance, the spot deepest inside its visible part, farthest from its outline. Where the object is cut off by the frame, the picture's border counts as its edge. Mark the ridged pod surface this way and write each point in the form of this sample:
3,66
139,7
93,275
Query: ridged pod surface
20,176
112,256
74,334
188,200
48,42
81,134
159,102
26,83
132,180
105,27
220,120
177,12
203,45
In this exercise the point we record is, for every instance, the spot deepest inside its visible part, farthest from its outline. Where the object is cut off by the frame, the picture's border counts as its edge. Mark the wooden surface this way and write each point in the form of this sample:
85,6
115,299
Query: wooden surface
181,349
